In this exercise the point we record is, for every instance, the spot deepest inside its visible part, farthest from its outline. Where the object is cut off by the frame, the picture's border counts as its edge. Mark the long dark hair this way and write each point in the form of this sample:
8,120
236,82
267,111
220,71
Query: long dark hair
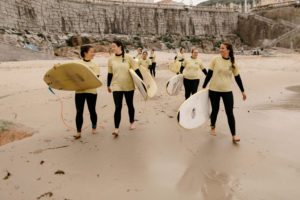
84,49
231,53
181,49
120,44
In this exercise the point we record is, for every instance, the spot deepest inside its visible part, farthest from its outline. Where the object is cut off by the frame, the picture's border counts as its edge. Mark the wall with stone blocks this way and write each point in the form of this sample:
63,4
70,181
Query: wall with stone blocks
75,16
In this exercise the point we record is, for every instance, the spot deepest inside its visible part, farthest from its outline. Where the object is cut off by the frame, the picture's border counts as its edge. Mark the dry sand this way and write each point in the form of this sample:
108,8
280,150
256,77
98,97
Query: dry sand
159,160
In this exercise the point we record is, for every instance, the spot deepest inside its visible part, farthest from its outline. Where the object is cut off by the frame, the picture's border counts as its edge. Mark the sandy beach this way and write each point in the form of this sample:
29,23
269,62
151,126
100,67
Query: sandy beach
159,160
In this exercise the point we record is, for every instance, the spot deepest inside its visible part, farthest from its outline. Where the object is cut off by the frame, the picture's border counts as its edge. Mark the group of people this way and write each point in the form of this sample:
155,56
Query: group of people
144,61
120,83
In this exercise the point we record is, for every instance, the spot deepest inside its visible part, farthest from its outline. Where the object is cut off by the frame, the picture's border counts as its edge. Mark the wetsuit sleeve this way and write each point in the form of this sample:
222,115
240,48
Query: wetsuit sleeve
109,78
138,72
208,77
239,82
183,66
181,69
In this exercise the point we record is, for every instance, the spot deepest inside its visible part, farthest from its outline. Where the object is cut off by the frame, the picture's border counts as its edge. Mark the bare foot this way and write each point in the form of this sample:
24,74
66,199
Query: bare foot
132,126
213,132
94,131
77,136
235,139
116,133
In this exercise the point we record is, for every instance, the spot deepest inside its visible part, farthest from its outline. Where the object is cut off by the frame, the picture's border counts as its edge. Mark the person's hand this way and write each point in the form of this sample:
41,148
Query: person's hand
244,96
108,89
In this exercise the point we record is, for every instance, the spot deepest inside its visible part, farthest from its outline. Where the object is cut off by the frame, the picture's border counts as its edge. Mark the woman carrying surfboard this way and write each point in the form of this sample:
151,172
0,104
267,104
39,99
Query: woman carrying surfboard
220,73
190,69
138,55
180,56
145,62
153,61
122,84
87,53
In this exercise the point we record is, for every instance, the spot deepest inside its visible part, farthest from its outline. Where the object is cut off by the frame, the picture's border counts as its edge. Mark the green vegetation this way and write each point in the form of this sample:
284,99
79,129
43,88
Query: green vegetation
85,40
218,44
140,45
69,43
5,125
18,33
168,39
195,40
170,46
125,43
41,35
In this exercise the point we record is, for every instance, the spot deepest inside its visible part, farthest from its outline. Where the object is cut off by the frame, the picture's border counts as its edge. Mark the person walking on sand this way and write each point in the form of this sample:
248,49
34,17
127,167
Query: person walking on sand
87,53
190,68
138,55
122,84
180,57
220,72
145,62
153,61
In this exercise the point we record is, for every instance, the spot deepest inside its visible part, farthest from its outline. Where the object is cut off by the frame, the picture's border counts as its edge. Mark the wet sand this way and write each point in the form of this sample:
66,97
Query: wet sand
158,160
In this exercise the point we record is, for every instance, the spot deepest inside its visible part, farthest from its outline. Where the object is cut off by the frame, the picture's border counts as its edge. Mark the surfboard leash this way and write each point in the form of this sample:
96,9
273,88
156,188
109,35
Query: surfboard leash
62,115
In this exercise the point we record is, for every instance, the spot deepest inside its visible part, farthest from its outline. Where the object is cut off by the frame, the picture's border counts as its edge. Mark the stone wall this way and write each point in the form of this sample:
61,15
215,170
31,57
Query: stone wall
255,32
75,16
274,23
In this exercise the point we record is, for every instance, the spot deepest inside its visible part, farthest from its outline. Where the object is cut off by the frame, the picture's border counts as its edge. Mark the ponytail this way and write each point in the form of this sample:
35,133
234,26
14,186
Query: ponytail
231,53
120,44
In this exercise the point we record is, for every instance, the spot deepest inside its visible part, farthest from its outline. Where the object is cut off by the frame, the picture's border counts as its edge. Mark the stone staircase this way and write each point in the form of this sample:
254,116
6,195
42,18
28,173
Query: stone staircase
295,28
272,22
284,36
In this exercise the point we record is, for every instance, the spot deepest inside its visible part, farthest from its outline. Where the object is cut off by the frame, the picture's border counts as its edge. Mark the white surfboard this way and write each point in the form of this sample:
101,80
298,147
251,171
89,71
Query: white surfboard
174,85
139,83
72,76
149,82
195,111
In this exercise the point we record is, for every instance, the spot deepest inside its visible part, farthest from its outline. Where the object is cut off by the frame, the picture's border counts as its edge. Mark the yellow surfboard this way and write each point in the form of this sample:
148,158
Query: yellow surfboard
174,66
148,80
72,76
